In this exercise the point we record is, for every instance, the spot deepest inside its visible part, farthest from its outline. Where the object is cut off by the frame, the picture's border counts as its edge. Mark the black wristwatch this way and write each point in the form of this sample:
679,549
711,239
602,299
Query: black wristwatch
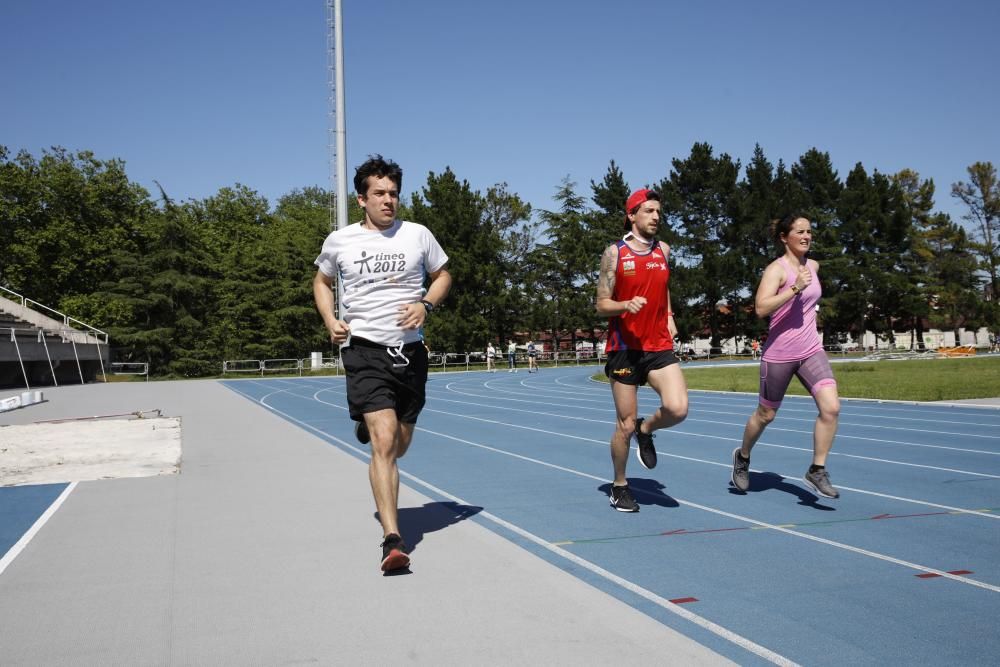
428,305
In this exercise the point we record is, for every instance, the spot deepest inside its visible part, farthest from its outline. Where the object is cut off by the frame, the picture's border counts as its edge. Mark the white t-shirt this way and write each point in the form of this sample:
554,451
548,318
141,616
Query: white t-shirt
379,272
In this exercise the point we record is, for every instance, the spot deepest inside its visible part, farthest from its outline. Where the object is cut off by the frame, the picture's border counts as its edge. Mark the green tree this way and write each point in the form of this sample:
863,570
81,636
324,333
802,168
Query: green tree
161,297
953,282
64,217
564,268
453,212
749,238
981,195
509,234
700,200
918,197
814,188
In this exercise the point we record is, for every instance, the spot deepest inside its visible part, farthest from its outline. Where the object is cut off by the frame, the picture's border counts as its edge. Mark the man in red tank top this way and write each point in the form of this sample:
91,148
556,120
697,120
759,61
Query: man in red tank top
633,292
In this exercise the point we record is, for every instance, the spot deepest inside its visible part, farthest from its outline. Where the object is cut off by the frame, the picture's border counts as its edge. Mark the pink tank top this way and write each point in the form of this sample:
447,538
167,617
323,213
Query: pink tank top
791,334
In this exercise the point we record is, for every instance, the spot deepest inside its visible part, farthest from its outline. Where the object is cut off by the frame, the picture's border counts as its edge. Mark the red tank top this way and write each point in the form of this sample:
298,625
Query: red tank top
641,274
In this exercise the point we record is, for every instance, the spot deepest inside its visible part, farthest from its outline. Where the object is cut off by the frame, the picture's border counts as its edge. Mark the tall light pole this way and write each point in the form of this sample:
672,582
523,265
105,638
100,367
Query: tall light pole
338,123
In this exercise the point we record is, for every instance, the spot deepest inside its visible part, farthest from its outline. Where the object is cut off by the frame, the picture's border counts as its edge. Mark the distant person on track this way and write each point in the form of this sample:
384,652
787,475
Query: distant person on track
532,357
754,349
491,358
382,264
511,357
789,291
633,292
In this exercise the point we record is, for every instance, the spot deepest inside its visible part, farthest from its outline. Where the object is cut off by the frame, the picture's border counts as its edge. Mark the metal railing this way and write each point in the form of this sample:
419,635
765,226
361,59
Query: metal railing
130,368
99,336
437,361
279,366
18,335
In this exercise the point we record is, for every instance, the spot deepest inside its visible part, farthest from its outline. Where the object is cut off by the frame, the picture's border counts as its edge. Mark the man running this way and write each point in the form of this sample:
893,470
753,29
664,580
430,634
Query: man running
633,291
382,264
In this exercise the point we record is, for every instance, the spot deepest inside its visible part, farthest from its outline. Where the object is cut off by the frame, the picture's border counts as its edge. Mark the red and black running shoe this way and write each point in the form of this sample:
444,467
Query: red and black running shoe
394,556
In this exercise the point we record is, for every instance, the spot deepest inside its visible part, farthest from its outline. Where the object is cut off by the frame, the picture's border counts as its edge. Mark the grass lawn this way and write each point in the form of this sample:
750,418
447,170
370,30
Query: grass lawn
917,380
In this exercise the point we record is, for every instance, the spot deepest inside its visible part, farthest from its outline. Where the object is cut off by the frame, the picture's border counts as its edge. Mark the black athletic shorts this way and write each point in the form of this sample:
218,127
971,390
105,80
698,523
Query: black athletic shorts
633,366
376,380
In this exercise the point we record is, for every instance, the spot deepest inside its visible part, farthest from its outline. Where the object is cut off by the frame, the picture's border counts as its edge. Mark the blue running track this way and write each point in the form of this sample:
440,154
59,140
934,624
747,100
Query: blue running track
903,569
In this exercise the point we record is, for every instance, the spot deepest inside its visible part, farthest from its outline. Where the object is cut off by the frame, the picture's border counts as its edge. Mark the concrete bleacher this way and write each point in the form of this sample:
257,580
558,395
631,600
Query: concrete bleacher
38,350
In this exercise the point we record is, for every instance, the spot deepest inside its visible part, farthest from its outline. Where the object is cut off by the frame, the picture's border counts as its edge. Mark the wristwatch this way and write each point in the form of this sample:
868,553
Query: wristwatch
428,305
795,288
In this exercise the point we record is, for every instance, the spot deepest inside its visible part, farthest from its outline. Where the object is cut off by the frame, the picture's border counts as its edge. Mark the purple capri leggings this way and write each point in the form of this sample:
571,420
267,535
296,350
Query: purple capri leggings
814,372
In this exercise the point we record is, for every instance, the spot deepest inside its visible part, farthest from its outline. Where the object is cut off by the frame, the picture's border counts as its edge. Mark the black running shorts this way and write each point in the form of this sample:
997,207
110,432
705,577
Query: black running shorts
376,380
633,366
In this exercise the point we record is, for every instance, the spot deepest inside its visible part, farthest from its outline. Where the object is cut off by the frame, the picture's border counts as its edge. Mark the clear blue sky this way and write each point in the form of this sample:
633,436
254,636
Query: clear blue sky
201,95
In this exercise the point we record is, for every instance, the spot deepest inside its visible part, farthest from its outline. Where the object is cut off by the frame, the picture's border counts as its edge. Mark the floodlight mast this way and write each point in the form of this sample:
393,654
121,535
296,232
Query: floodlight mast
341,121
338,124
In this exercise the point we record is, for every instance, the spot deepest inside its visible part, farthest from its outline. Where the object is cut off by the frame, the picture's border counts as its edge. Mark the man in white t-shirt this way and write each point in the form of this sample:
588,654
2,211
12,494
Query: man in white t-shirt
382,264
491,355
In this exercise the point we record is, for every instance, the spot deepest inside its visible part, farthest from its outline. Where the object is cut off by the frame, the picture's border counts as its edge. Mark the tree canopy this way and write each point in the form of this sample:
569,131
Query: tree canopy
186,285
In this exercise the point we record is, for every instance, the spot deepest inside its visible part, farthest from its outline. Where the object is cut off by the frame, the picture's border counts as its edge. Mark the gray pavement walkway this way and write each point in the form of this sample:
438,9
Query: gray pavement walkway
264,550
989,402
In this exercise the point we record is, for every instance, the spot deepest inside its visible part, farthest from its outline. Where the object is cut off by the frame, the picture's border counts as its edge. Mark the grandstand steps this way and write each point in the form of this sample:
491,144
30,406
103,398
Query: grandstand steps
47,350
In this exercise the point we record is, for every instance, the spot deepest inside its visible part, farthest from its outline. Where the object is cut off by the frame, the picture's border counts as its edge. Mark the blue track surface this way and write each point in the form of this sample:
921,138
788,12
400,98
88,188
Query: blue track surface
20,508
866,579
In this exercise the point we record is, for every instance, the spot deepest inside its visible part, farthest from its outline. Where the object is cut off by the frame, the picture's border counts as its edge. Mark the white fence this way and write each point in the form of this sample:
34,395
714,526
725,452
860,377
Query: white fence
309,365
437,361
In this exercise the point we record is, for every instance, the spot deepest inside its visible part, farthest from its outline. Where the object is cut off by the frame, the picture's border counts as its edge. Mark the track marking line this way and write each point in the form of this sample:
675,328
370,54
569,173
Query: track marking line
20,545
736,517
982,512
931,575
648,595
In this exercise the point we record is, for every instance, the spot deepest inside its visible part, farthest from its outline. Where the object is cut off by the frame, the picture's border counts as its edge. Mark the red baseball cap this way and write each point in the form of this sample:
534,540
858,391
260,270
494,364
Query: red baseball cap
635,199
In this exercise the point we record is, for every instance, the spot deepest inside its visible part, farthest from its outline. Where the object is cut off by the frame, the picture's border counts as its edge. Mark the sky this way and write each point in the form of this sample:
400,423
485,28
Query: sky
204,95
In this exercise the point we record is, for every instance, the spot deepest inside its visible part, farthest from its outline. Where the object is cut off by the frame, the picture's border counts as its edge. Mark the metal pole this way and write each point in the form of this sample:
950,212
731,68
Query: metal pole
338,163
338,29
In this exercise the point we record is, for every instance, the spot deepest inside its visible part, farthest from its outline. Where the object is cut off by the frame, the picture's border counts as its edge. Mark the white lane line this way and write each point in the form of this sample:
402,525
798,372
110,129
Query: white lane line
761,443
646,594
697,410
19,546
683,432
786,412
913,501
739,517
742,398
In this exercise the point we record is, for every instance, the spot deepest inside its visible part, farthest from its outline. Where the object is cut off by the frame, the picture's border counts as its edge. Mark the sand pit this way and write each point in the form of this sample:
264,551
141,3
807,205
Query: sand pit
80,450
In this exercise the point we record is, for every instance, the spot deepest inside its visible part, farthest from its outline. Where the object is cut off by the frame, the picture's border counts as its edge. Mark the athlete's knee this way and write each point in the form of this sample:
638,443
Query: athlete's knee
766,414
830,410
383,451
626,425
676,409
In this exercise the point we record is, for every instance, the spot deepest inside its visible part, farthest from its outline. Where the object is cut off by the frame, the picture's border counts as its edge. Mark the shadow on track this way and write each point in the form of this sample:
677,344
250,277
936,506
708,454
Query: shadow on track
646,492
767,481
415,522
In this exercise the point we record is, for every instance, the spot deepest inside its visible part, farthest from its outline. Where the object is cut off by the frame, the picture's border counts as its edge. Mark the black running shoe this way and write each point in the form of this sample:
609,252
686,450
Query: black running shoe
819,482
646,452
394,556
622,500
741,471
361,432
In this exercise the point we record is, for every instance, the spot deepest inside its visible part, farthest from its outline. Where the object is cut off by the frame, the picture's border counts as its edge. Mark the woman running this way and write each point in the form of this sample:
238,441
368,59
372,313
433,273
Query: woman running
789,292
